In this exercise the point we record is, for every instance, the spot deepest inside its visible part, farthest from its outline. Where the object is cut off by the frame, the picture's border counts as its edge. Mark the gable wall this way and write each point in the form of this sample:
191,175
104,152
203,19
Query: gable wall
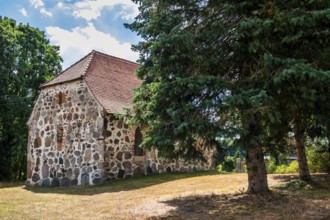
79,160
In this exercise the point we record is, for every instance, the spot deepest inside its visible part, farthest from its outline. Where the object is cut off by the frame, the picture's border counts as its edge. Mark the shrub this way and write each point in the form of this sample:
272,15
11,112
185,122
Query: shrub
293,167
271,168
220,169
228,165
283,169
318,162
293,185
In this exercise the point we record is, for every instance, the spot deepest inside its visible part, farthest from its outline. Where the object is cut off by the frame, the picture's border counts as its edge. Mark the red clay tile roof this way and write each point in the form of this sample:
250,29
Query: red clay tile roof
110,79
74,72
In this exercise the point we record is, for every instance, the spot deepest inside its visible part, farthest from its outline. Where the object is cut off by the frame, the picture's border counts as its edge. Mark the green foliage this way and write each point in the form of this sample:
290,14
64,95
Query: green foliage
26,61
293,185
292,168
220,169
242,70
318,161
271,168
228,165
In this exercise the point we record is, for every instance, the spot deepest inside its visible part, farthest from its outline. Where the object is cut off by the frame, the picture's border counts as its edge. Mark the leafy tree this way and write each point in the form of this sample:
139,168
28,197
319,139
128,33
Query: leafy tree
26,60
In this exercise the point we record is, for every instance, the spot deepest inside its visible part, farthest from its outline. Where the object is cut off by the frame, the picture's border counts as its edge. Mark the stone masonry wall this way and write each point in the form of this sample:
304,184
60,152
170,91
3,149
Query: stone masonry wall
65,137
120,161
73,142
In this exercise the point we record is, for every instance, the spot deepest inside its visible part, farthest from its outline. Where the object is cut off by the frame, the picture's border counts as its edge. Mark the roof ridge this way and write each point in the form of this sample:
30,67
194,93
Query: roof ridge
61,73
88,62
118,58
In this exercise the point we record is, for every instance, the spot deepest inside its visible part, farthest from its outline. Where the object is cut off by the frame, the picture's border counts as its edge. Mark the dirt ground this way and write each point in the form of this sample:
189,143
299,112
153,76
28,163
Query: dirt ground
206,196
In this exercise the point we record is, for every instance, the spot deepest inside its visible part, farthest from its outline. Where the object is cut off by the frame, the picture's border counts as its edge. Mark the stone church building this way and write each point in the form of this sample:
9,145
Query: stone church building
75,137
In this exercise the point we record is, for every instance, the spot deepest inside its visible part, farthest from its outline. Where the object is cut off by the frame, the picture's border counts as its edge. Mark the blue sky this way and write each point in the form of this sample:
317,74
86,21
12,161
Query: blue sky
79,26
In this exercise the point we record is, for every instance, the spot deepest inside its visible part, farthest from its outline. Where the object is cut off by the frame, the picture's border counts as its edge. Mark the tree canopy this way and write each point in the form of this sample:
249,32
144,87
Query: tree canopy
26,61
252,71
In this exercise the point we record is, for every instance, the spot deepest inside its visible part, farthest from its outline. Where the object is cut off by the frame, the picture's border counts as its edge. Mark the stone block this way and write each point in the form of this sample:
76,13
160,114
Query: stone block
121,173
97,180
127,165
45,170
74,182
119,156
85,179
96,156
88,155
149,170
128,155
35,177
45,182
65,181
55,182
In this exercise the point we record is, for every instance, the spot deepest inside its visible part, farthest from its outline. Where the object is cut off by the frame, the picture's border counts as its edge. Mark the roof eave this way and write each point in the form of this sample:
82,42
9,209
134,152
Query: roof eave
45,85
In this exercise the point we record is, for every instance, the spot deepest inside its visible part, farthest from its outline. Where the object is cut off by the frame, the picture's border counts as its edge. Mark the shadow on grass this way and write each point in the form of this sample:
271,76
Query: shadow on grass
120,184
319,180
10,184
307,203
274,205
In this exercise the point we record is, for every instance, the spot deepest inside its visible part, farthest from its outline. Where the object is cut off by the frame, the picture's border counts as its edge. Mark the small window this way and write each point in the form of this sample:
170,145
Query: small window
138,151
61,98
59,138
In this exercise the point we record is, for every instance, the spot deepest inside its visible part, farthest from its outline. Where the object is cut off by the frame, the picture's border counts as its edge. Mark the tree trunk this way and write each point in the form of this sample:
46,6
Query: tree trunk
255,164
257,174
301,153
328,134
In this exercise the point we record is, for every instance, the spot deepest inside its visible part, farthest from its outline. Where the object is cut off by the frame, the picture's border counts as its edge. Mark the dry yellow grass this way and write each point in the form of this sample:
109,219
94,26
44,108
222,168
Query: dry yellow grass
162,196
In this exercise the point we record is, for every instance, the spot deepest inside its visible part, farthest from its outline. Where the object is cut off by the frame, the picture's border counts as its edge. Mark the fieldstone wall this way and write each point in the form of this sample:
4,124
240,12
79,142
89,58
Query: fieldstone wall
65,137
72,141
120,161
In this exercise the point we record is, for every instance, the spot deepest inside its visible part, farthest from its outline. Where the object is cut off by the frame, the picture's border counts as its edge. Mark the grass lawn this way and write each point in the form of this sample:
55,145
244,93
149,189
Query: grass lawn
199,195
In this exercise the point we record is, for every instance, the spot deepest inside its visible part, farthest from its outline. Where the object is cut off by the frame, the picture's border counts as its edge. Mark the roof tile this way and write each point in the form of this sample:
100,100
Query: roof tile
74,72
110,79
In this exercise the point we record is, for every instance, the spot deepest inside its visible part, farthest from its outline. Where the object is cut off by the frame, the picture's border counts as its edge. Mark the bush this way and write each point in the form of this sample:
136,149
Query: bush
293,167
271,168
293,185
220,169
318,162
228,165
283,169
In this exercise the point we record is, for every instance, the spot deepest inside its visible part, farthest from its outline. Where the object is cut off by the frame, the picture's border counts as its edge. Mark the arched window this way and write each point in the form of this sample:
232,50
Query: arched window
138,151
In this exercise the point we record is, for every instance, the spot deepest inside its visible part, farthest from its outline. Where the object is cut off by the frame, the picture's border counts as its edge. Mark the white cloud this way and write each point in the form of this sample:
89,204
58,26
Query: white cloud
61,5
91,9
45,12
23,12
37,3
78,42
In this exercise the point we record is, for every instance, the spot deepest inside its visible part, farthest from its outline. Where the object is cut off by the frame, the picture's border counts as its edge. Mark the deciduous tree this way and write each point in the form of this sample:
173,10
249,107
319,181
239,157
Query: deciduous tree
26,61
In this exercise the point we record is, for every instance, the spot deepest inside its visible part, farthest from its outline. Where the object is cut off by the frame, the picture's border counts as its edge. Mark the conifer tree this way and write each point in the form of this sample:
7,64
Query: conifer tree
230,69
